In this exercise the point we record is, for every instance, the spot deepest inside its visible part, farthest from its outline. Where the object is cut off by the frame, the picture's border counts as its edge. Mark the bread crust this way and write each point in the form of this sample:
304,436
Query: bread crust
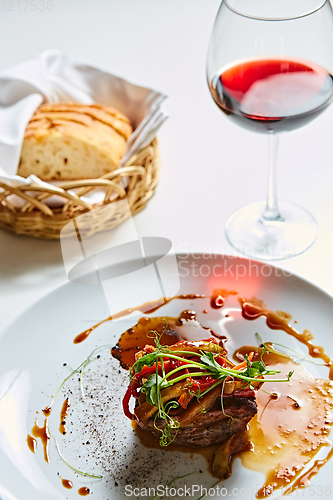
65,141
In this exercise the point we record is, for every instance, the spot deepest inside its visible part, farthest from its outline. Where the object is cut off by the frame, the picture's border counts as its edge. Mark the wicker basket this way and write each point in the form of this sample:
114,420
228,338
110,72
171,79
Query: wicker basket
36,218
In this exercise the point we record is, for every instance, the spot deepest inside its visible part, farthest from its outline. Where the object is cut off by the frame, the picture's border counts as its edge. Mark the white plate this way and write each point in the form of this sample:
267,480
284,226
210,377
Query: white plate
34,348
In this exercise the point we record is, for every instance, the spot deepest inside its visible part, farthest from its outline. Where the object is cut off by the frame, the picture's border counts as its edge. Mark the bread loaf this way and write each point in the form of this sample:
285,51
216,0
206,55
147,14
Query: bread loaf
66,141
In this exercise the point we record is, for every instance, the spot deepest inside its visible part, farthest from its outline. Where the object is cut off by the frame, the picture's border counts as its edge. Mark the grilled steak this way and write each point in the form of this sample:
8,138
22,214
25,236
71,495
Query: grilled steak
213,426
191,394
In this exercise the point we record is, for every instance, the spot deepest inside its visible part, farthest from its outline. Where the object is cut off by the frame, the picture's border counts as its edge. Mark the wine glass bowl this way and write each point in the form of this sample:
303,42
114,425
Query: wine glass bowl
269,69
272,95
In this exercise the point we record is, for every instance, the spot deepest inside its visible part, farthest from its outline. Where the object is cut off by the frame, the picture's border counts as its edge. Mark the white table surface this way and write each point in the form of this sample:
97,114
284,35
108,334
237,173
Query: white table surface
209,166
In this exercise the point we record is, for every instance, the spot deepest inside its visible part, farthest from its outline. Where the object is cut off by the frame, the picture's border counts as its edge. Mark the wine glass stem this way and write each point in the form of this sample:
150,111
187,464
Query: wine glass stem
271,212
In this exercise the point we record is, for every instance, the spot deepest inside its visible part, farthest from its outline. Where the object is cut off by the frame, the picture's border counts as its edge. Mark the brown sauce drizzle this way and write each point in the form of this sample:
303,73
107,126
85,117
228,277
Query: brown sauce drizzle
304,480
218,297
44,435
84,491
172,330
63,415
32,443
66,483
47,411
253,309
292,423
285,440
147,308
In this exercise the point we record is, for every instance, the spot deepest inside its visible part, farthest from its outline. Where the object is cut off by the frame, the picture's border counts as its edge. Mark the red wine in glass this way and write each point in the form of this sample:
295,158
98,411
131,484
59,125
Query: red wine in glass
272,95
269,69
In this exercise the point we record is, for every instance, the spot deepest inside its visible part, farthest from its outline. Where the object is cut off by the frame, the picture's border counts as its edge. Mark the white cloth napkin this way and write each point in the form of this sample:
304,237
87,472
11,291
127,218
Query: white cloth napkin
52,77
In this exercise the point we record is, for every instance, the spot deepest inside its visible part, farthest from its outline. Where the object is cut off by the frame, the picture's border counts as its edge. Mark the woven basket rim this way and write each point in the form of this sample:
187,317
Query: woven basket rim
142,170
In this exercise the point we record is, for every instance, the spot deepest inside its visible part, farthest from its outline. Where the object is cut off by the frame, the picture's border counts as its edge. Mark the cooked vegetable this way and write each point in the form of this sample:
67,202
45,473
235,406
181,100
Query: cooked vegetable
174,386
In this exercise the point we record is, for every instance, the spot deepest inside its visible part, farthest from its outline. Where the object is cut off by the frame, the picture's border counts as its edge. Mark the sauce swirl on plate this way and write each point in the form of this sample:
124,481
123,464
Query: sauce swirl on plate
84,491
254,309
63,415
147,308
285,440
44,435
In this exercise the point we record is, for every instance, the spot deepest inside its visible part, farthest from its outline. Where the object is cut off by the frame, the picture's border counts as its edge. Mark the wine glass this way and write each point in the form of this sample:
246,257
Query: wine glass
269,68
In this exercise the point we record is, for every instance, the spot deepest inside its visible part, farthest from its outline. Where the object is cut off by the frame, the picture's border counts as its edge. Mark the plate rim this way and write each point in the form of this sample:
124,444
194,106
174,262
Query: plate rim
191,256
177,255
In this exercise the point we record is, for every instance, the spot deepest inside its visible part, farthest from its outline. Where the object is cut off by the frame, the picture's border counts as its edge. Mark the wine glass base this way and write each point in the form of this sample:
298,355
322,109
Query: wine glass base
253,236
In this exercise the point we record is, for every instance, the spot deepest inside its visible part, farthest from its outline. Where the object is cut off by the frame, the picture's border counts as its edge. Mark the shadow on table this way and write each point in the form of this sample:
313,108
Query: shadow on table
22,255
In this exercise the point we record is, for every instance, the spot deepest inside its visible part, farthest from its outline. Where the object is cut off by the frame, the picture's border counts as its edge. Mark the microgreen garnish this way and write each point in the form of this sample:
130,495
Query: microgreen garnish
80,370
269,348
197,371
208,360
87,474
205,494
174,480
147,360
222,404
150,388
